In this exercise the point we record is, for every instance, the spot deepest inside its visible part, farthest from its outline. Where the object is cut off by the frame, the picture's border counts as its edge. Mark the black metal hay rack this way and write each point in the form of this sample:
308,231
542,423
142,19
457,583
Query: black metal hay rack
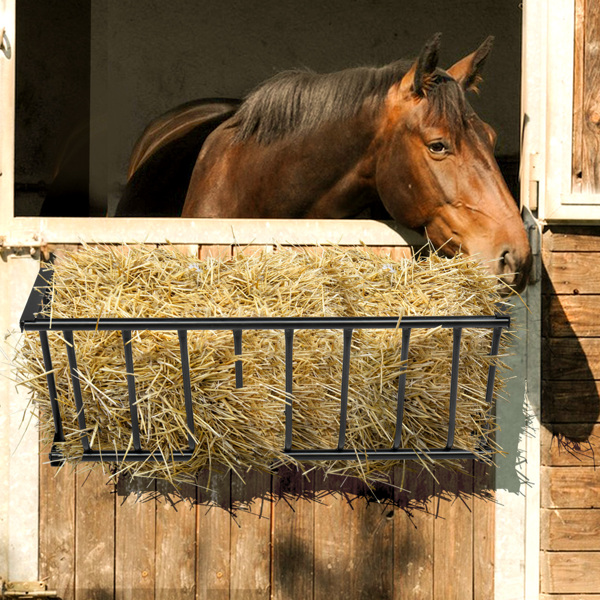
40,296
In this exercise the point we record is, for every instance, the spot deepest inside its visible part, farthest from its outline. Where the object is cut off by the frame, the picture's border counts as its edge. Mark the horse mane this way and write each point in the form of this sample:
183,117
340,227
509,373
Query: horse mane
299,101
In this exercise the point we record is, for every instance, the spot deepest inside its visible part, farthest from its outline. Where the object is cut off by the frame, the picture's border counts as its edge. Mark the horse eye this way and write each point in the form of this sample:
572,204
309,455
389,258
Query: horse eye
437,148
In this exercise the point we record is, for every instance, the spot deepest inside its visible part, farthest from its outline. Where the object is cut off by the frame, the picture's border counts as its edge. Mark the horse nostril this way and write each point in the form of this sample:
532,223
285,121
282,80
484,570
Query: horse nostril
506,263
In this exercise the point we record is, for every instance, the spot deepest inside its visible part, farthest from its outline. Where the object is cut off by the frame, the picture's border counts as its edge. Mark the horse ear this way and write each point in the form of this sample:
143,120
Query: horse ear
467,71
418,77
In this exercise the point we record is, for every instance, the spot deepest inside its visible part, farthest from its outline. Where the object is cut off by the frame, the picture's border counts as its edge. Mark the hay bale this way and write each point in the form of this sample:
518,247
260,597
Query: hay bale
243,428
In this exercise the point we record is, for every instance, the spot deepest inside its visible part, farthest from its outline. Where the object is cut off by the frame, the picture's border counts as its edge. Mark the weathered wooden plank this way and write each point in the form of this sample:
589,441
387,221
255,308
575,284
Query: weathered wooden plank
570,597
570,487
573,272
570,572
562,402
414,536
293,535
571,445
95,536
578,85
573,316
175,542
135,548
57,527
353,544
453,531
213,536
570,529
562,238
214,521
484,520
571,359
590,148
251,537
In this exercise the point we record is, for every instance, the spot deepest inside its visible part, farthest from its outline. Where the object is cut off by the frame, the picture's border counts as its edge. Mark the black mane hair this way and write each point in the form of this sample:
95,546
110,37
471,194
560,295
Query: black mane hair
298,101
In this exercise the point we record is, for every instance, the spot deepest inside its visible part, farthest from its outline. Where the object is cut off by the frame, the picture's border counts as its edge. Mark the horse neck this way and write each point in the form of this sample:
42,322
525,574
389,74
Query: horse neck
338,160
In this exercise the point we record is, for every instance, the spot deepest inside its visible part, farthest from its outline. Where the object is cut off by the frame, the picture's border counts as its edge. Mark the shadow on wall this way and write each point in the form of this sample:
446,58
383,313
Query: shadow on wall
570,399
415,489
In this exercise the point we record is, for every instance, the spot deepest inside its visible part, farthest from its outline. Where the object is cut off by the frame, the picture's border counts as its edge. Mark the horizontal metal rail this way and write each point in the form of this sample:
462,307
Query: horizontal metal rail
247,323
32,321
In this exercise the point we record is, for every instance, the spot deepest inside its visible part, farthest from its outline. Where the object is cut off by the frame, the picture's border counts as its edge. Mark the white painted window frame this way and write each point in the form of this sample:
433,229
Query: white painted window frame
560,203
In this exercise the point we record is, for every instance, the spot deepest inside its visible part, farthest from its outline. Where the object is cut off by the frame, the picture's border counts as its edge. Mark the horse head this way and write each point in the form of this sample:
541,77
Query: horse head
436,170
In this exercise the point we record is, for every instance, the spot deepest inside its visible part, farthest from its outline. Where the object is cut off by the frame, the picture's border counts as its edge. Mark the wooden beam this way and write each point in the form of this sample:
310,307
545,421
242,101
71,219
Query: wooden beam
571,529
571,359
94,535
569,487
571,445
573,316
573,272
562,403
570,572
293,535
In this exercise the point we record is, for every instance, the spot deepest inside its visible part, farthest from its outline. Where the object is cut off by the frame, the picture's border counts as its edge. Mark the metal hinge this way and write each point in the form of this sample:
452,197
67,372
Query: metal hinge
15,590
534,234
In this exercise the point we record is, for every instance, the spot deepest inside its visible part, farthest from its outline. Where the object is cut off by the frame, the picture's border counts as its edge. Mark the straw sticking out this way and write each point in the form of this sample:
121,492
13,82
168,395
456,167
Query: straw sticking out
167,392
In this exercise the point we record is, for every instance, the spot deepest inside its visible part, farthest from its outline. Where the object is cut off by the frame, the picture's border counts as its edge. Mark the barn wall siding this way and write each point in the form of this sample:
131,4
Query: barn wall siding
286,537
570,494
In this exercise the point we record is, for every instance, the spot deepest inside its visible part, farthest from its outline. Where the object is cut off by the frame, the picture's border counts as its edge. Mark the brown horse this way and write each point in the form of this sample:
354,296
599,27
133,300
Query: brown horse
400,139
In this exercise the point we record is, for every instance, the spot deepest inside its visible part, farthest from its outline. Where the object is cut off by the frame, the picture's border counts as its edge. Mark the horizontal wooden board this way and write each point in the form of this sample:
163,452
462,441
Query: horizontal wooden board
570,529
571,359
570,572
572,272
570,597
572,239
570,487
564,403
571,445
573,316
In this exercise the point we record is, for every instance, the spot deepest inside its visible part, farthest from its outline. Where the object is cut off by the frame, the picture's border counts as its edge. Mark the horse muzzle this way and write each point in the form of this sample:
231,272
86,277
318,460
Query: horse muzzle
513,268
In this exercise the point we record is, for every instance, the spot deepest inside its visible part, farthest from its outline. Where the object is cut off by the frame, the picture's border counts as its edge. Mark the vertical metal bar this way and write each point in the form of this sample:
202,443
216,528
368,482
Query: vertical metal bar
135,425
289,382
454,385
68,335
344,390
58,428
401,388
237,348
489,392
187,385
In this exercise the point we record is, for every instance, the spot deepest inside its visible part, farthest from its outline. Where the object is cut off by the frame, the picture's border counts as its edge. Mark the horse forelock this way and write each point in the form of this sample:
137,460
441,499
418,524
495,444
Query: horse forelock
447,105
299,101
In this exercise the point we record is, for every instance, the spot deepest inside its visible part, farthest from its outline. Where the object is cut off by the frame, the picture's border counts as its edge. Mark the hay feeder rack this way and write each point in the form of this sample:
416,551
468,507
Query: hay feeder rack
40,296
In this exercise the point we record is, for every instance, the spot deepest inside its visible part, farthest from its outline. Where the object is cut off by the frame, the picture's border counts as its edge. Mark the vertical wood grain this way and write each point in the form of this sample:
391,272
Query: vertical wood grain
293,536
135,535
175,542
453,530
484,519
578,86
213,536
57,527
95,536
591,99
251,536
354,544
213,532
414,535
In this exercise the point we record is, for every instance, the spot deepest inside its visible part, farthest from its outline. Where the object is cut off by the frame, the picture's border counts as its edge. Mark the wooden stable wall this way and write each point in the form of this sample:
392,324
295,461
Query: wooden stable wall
570,529
316,539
